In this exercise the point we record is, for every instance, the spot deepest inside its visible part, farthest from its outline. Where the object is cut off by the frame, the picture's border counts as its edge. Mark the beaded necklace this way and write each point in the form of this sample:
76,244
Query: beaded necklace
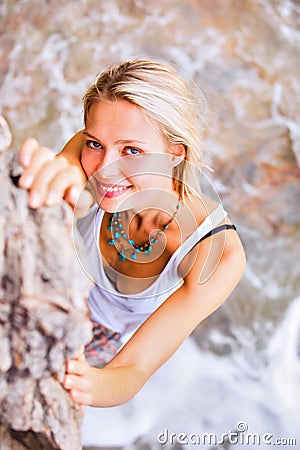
127,246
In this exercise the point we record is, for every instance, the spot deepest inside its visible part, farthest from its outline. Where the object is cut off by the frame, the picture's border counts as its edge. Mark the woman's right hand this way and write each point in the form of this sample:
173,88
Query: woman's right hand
49,177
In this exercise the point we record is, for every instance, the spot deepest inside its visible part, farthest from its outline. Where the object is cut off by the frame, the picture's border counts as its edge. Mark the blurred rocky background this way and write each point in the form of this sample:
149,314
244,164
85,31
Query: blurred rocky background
43,317
245,55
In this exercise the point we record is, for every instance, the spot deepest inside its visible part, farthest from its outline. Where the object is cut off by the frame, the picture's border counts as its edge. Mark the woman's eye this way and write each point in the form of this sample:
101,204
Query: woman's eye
131,151
94,145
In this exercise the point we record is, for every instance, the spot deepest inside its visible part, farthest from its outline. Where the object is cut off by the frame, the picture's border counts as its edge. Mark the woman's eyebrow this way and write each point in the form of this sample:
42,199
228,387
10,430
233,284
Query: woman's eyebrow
128,141
90,135
120,141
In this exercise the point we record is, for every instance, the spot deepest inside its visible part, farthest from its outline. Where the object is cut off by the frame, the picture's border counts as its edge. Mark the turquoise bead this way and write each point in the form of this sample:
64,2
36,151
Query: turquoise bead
117,235
133,256
111,242
122,257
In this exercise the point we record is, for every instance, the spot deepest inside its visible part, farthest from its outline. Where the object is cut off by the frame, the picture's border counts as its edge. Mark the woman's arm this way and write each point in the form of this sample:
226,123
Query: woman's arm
165,330
49,177
72,149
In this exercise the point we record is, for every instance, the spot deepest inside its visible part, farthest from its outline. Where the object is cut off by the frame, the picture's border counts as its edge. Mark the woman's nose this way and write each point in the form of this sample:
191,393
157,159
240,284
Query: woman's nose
110,165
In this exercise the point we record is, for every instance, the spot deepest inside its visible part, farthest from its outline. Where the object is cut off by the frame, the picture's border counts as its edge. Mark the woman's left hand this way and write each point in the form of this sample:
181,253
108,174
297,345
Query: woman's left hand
79,379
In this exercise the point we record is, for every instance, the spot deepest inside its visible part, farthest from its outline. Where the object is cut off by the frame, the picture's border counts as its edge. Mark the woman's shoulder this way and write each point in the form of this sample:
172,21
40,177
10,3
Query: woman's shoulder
197,215
200,208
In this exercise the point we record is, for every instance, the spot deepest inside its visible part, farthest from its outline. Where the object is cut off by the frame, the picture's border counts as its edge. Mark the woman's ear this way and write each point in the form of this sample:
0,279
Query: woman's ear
178,154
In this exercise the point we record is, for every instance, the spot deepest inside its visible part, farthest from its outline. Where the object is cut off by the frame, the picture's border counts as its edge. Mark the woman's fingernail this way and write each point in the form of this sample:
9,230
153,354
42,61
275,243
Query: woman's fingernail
70,366
74,395
53,198
34,200
25,160
74,193
68,383
26,180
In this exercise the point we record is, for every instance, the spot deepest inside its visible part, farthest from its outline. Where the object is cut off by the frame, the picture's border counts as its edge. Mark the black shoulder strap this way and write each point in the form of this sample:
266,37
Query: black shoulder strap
226,226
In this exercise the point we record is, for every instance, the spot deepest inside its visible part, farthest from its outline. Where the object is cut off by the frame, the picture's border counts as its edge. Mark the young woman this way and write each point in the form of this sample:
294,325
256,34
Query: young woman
163,256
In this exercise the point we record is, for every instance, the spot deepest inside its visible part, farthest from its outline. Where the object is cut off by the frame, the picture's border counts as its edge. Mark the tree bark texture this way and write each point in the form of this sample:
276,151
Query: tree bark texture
43,316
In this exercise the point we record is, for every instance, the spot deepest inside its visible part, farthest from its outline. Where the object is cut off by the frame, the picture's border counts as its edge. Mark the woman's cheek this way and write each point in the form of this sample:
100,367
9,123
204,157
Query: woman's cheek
89,162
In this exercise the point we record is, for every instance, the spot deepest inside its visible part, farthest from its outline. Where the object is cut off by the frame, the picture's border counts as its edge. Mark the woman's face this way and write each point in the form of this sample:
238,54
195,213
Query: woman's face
126,155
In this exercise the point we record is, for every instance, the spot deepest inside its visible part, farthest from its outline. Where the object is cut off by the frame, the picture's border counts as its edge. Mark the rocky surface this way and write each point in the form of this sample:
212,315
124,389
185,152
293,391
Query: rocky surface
43,317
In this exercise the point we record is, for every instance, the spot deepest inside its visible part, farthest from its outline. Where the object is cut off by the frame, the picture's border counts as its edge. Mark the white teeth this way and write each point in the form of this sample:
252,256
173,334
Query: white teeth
112,189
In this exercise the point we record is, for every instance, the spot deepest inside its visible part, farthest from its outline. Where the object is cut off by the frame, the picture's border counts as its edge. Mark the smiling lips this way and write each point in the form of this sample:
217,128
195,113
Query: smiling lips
111,190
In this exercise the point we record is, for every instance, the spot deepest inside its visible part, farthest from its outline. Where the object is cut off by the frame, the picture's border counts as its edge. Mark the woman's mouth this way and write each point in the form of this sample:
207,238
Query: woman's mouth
111,190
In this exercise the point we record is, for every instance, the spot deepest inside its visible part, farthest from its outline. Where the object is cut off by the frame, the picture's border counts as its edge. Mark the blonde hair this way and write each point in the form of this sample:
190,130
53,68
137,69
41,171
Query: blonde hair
165,97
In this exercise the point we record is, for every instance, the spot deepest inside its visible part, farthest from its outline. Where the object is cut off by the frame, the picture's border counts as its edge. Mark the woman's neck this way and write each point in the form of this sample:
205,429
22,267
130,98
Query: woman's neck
155,215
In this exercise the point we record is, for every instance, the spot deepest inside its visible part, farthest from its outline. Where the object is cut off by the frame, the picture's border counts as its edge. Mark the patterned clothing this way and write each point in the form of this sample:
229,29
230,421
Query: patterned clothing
103,347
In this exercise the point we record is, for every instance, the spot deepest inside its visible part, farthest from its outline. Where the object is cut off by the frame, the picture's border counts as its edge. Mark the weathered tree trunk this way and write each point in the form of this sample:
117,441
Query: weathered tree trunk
43,317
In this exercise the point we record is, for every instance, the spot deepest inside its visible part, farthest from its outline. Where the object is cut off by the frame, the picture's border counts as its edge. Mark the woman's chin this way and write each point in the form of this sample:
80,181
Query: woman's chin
111,205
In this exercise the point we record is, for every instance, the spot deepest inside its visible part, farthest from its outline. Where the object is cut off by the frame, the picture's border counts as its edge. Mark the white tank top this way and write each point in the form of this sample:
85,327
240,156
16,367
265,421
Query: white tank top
116,311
